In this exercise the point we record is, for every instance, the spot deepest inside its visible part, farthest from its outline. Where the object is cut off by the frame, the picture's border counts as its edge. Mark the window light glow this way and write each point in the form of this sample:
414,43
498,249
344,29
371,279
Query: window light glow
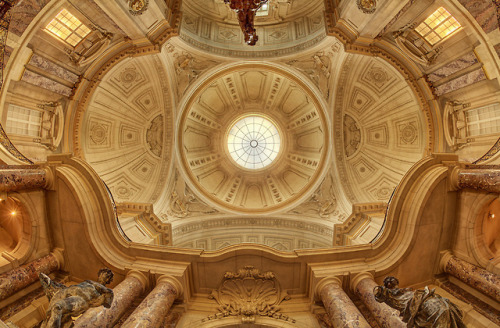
253,142
263,10
68,28
438,26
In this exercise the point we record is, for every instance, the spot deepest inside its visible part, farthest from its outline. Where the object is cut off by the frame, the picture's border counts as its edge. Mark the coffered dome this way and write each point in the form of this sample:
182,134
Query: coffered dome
287,136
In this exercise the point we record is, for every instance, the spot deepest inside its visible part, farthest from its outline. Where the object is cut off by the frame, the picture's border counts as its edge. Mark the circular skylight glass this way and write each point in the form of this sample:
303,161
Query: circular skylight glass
253,142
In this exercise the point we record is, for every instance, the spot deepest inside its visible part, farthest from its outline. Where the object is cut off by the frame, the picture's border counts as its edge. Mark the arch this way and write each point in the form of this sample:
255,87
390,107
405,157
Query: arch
475,226
20,224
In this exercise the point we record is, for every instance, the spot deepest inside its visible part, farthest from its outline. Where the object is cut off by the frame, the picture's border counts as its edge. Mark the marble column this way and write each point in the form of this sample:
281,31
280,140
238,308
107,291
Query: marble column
479,177
19,278
125,293
152,311
362,285
484,281
341,310
23,177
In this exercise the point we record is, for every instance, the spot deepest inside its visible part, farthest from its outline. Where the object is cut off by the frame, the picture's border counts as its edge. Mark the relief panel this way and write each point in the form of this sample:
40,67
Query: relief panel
212,181
196,140
311,140
253,197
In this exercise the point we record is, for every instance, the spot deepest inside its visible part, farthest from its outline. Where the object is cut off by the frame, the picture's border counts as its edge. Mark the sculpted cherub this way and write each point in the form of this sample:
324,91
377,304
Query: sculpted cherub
72,301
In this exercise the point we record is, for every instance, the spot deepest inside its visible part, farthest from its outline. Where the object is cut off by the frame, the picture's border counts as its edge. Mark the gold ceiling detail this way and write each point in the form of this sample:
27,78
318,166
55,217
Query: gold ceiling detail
249,293
262,91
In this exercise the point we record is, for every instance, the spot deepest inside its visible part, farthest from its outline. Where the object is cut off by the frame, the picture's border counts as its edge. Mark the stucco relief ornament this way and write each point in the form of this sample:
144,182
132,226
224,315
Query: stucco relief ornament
249,293
137,7
367,6
419,308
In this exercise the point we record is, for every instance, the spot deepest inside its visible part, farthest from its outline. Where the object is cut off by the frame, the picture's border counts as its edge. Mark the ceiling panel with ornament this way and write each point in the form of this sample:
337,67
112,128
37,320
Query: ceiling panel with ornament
127,130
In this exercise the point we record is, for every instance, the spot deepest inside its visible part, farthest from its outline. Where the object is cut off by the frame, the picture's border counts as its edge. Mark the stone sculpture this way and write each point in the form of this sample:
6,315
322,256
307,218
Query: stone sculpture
67,302
245,9
420,308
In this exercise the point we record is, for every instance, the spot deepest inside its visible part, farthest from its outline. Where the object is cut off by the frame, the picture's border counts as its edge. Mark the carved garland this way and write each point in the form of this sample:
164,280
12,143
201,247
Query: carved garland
247,294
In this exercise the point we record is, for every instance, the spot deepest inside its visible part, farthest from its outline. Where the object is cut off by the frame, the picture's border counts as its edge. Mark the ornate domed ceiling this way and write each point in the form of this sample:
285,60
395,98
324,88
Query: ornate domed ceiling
285,27
349,127
127,130
259,93
383,128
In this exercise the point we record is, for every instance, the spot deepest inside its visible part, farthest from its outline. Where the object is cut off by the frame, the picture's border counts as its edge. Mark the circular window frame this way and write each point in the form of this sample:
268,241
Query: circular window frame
275,160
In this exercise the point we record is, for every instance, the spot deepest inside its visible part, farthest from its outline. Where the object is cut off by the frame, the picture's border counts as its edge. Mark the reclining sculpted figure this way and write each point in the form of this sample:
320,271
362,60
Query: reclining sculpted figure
420,308
67,302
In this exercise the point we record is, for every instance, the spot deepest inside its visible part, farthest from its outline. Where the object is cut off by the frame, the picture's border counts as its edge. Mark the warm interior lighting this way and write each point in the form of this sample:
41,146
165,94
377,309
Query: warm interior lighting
13,213
253,142
263,10
68,28
491,216
438,26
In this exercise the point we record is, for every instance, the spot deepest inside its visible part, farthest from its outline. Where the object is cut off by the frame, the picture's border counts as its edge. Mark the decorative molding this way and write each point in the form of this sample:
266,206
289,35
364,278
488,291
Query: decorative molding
367,6
154,135
9,146
263,221
137,7
249,293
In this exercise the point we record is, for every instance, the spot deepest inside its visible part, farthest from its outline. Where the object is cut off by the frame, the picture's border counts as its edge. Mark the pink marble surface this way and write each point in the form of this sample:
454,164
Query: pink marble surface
17,279
23,13
52,68
124,294
340,308
152,311
461,82
46,83
480,279
482,179
21,179
485,13
383,313
453,67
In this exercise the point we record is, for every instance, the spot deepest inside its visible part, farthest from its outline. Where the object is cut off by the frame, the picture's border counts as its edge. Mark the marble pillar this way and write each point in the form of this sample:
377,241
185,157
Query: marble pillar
479,177
19,278
362,285
125,293
341,310
23,177
152,311
484,281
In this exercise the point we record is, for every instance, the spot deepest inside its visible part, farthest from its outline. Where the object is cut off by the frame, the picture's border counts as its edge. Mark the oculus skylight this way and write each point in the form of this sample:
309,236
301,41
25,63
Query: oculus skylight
253,142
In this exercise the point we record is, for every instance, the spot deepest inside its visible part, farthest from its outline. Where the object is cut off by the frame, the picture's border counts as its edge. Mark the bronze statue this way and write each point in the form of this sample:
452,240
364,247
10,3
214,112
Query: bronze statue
420,308
245,9
67,302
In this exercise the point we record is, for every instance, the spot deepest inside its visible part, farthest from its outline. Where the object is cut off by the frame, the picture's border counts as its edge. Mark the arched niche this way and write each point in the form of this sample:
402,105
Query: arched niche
15,229
483,231
490,219
22,232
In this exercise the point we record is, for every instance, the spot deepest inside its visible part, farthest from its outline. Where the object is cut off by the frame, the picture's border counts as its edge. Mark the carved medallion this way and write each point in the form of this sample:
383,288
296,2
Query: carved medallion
367,6
247,294
137,7
154,135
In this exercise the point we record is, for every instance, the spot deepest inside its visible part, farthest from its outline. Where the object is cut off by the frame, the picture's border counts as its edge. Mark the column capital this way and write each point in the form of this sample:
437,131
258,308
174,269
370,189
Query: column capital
58,253
172,281
359,277
326,281
139,276
445,258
